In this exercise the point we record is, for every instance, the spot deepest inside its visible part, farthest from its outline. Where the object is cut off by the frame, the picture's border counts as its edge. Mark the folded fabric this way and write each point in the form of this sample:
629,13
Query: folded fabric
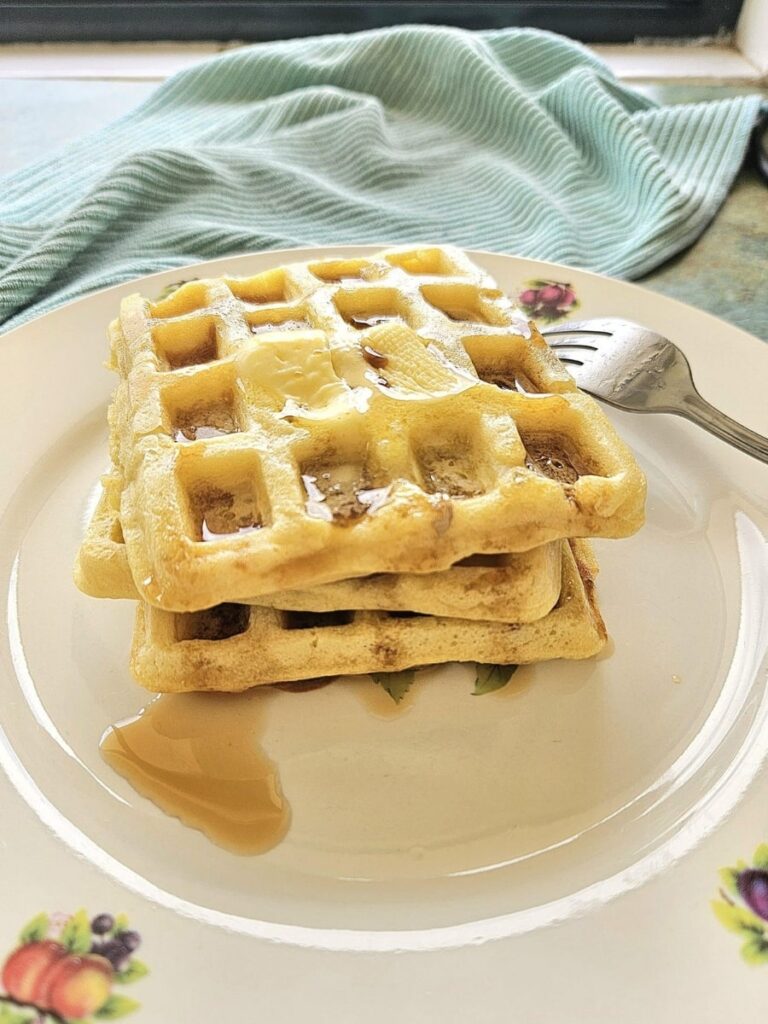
516,140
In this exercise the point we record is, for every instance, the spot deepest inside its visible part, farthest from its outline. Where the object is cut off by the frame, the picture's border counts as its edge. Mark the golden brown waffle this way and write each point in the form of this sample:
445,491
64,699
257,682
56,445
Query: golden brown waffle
233,647
504,588
500,588
336,419
101,567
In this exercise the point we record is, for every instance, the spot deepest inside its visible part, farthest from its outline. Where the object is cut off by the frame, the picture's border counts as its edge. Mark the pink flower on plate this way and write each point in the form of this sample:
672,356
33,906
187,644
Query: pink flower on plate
547,300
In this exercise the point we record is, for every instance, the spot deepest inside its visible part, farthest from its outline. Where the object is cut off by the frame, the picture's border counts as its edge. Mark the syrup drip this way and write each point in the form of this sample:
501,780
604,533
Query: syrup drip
374,358
199,758
225,513
362,322
208,533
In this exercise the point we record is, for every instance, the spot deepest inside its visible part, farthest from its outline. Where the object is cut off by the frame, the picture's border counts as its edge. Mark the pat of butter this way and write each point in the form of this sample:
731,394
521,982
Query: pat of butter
297,366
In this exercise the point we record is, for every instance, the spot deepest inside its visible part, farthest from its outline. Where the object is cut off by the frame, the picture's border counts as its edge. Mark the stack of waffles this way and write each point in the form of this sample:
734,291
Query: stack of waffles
350,466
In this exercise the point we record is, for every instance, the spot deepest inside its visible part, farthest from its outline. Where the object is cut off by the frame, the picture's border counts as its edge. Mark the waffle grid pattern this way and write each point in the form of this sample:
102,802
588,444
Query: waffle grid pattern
324,421
504,588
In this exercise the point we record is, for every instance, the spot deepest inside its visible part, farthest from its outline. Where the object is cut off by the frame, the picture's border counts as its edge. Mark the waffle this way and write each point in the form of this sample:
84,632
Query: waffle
233,647
101,567
341,418
503,588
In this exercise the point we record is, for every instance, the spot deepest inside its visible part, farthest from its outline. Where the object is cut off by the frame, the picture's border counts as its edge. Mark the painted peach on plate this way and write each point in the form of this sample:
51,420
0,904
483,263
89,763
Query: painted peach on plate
67,965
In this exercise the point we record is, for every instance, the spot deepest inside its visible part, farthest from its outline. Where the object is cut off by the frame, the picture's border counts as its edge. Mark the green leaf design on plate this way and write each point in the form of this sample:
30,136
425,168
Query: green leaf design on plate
737,919
397,684
121,923
760,858
492,677
135,970
13,1015
729,878
115,1007
755,950
76,934
35,930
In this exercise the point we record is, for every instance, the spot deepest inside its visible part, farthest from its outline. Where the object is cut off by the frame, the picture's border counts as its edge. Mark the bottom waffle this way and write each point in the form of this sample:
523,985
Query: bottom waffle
233,647
504,588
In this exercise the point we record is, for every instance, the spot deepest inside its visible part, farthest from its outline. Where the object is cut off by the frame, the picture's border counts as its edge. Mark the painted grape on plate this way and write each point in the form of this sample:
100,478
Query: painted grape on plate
65,966
743,906
547,300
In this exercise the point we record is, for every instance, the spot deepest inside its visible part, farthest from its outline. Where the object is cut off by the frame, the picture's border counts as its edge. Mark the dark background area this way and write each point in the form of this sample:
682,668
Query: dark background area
143,20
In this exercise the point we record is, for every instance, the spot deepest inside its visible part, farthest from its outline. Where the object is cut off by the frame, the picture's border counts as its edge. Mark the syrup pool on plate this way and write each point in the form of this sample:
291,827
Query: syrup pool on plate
199,757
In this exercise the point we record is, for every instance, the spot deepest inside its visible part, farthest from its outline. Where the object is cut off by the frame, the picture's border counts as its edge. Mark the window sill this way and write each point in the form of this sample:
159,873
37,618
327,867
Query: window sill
689,63
157,61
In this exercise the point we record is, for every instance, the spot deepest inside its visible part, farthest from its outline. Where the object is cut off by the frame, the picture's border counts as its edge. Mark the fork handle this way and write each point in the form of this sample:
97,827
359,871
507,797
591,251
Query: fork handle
698,410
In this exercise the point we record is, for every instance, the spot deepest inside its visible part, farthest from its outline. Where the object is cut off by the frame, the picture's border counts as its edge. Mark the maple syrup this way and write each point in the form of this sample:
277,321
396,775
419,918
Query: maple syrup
199,758
206,351
224,512
361,322
450,472
549,456
343,492
205,421
374,358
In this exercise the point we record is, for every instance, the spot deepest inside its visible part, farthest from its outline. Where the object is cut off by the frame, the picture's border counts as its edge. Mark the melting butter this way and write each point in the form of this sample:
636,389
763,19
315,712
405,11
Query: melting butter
199,758
297,366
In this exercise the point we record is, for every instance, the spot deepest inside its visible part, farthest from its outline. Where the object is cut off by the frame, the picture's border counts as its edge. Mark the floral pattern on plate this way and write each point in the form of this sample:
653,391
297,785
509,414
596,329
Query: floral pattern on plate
547,300
743,906
64,968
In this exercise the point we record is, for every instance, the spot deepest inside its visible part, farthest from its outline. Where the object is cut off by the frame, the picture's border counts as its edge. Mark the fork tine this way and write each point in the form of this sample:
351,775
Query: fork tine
578,330
582,353
578,327
573,344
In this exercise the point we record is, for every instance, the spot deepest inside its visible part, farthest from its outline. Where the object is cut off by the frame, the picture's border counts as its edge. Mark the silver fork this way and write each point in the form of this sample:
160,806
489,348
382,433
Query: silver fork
634,368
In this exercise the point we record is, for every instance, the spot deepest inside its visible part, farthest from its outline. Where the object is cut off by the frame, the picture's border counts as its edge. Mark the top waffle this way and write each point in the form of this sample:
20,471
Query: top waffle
333,419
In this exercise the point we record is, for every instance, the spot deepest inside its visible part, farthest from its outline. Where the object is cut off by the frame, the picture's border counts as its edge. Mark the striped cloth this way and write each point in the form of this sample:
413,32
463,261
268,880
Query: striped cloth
516,140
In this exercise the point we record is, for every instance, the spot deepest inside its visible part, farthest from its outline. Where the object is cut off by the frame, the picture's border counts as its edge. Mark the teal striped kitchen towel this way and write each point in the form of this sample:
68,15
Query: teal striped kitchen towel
515,140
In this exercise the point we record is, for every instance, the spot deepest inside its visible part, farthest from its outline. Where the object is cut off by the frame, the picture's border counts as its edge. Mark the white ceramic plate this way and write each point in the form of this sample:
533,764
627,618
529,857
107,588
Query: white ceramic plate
547,853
